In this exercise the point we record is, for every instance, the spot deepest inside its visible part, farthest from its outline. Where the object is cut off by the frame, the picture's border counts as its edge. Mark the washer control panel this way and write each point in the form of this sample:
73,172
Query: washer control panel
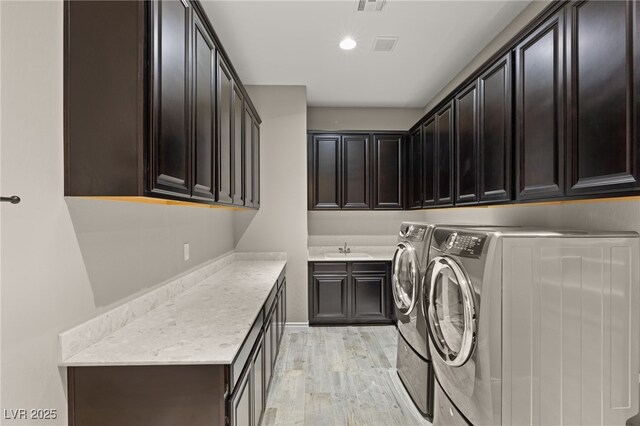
459,243
414,233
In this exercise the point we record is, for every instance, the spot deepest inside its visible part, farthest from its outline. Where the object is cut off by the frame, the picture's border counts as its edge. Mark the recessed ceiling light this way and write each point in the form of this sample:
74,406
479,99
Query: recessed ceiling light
347,43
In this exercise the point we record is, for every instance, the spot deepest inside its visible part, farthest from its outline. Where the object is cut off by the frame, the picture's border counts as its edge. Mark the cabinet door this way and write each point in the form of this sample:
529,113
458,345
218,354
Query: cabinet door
274,338
238,147
255,135
226,127
466,139
171,140
283,308
329,299
204,89
495,131
248,159
601,47
257,388
268,355
388,190
368,297
324,167
240,410
355,172
444,155
429,163
415,162
540,111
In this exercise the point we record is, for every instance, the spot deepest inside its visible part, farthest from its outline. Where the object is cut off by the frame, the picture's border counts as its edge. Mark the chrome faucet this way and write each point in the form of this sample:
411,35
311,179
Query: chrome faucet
345,249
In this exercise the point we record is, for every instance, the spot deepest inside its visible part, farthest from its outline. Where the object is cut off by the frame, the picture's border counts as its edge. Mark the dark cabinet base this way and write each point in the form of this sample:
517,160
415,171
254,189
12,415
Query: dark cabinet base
344,293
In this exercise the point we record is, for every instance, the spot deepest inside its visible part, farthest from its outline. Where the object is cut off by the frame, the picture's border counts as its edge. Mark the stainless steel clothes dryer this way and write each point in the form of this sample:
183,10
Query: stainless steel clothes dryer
531,326
413,359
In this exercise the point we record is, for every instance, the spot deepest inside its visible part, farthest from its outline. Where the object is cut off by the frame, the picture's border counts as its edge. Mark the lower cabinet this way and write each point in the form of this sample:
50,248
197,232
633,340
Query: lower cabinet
349,293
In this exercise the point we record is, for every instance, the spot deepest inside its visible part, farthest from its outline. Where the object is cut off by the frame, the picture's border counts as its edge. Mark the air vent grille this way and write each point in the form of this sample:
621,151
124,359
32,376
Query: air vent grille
370,5
384,44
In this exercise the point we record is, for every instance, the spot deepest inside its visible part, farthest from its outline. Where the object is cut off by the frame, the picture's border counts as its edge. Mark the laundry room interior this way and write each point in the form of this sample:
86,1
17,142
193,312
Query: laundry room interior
310,212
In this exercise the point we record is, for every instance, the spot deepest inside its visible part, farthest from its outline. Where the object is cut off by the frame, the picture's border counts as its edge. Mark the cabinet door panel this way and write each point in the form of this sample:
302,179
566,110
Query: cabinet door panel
172,131
355,172
258,396
238,147
444,150
324,156
540,111
329,295
466,138
268,355
602,154
255,134
387,172
248,159
204,113
225,145
429,168
368,297
240,403
495,132
415,163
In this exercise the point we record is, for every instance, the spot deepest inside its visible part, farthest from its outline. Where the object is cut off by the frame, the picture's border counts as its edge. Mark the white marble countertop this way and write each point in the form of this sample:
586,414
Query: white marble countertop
385,253
206,324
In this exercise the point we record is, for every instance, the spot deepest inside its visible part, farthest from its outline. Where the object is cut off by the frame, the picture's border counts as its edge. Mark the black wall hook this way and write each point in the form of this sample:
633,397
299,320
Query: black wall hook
14,199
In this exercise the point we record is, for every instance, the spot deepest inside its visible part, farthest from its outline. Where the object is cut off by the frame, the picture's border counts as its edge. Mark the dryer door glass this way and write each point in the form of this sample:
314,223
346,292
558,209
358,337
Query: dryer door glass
405,278
452,319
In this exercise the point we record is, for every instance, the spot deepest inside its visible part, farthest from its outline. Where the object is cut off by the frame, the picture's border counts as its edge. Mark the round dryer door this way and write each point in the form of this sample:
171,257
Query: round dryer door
451,312
405,279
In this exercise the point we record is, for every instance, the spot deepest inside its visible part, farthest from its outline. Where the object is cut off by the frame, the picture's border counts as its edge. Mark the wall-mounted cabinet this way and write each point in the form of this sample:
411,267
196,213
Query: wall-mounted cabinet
415,160
168,121
444,165
355,171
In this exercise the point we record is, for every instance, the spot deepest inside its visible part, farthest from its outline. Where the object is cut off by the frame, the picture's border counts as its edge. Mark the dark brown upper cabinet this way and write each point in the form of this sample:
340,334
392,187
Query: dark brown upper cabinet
255,142
355,172
204,120
539,62
429,163
495,131
388,188
171,148
238,148
603,69
444,155
162,123
466,140
248,159
324,172
415,162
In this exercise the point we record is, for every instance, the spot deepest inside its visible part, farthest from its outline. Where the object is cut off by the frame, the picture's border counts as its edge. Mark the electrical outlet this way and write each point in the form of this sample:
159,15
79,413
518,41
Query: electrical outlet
186,251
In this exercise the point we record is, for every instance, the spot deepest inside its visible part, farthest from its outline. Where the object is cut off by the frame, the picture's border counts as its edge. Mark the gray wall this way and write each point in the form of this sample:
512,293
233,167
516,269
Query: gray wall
281,223
64,261
499,41
326,118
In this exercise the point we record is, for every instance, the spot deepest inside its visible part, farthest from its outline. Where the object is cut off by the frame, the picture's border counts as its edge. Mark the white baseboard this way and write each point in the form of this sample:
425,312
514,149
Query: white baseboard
296,325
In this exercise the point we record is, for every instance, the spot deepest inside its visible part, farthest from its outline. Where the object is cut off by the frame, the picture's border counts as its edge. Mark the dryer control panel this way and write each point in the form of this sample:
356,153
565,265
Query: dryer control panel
459,243
413,233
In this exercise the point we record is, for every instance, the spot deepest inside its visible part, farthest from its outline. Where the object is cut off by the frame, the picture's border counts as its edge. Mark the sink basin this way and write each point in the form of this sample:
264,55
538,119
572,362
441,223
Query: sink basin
338,256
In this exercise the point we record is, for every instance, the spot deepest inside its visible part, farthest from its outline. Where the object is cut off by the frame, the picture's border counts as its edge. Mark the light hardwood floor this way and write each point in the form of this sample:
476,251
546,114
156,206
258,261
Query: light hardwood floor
339,376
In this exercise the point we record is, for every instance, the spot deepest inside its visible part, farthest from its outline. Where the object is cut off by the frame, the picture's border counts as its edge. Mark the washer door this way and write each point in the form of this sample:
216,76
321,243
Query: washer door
405,279
452,311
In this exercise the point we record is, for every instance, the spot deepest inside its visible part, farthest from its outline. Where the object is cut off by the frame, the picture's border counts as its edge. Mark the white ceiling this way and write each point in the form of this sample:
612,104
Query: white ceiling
296,43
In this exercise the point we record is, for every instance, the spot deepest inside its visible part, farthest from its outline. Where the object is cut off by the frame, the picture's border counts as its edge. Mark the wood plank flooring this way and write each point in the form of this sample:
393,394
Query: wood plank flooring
339,376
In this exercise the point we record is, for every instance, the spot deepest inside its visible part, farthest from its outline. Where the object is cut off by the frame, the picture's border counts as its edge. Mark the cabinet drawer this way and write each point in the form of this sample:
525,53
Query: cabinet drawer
329,267
239,363
367,267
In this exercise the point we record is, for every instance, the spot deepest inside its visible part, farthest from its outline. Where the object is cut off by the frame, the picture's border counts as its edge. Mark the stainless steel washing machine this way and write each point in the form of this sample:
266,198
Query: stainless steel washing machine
413,359
532,326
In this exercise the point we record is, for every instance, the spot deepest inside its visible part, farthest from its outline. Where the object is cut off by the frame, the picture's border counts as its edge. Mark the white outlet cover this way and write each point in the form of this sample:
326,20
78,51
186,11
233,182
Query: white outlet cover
186,251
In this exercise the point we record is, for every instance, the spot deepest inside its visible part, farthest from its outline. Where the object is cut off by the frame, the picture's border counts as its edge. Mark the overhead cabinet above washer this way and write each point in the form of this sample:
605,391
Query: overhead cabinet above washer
154,108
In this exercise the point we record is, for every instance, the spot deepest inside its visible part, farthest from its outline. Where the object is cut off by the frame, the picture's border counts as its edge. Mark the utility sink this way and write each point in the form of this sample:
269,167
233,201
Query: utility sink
338,256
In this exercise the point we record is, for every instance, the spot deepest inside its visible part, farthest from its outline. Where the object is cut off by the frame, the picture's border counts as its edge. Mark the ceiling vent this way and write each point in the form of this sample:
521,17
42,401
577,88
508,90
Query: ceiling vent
384,44
370,5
